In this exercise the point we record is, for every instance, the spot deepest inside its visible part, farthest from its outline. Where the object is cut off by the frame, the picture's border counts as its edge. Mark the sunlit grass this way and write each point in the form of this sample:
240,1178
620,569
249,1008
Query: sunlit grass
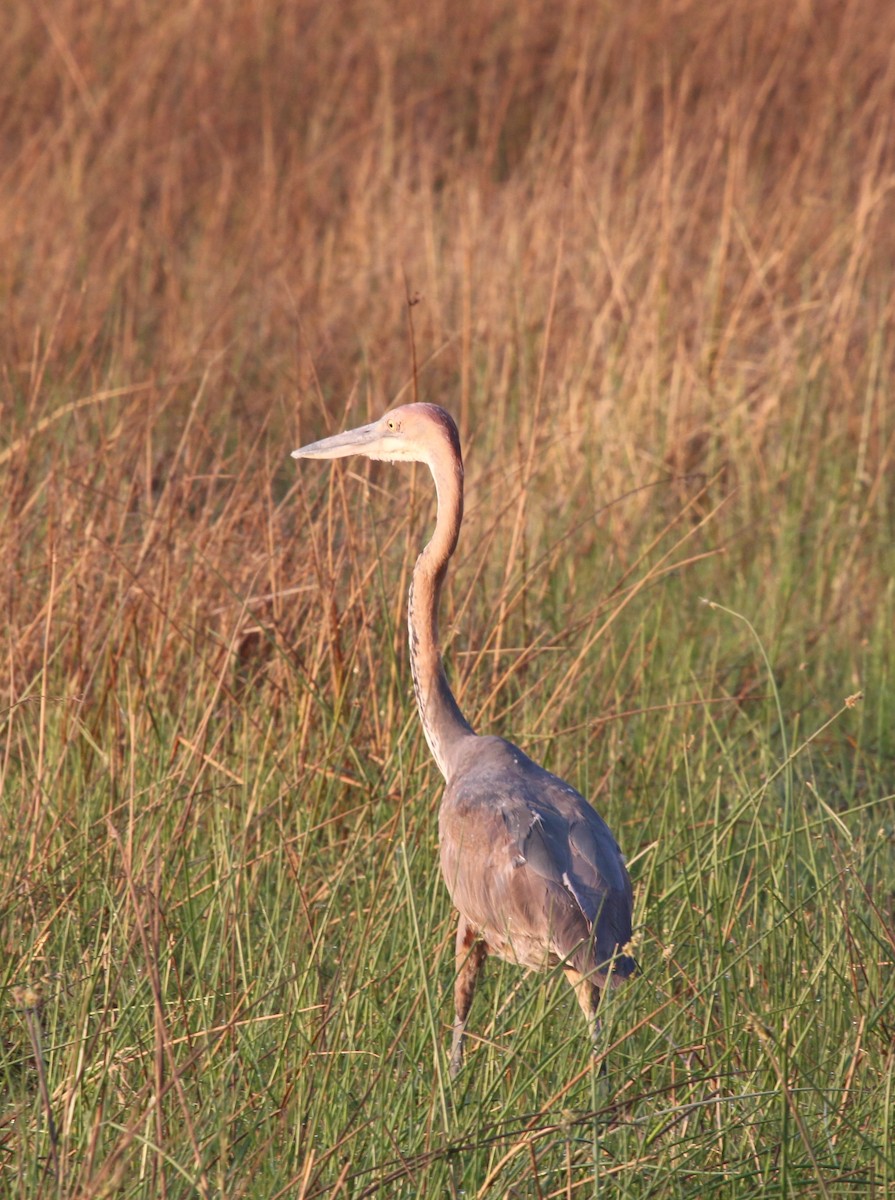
645,258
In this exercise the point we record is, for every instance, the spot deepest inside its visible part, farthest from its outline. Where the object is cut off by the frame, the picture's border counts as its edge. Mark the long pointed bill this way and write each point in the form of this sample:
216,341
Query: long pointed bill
365,440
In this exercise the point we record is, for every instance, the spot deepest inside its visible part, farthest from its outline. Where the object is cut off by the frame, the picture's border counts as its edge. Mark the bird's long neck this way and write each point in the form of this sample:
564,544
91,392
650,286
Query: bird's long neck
443,723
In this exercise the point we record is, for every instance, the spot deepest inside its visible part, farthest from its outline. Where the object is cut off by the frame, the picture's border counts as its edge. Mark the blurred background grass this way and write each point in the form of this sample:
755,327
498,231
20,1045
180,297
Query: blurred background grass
645,254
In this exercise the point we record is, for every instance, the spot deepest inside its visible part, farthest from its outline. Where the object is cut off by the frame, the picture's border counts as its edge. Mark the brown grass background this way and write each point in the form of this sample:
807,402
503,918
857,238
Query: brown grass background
650,242
666,224
243,186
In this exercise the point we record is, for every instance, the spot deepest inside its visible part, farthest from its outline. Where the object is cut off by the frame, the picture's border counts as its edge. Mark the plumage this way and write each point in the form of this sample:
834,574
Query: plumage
550,883
533,870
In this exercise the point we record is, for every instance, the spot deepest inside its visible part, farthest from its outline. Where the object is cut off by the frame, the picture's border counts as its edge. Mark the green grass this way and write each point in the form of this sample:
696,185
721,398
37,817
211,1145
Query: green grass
246,950
653,253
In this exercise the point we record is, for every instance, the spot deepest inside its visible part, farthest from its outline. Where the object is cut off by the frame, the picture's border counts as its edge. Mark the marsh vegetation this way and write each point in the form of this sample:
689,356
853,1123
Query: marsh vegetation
645,253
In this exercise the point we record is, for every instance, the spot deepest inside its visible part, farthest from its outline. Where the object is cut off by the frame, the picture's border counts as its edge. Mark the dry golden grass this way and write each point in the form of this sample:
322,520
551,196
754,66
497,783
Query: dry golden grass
660,236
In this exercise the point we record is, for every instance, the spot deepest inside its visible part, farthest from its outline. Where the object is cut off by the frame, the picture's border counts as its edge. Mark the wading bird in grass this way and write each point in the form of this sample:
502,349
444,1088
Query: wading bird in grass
534,871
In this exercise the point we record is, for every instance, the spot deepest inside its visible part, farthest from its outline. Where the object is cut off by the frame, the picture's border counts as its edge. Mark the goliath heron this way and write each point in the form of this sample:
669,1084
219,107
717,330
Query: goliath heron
535,873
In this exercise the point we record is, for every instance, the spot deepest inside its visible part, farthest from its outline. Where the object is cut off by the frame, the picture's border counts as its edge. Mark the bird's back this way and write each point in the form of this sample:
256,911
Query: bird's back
531,865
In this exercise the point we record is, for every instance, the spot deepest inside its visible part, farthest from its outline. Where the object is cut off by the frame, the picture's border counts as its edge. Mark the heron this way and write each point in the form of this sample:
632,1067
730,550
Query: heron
533,870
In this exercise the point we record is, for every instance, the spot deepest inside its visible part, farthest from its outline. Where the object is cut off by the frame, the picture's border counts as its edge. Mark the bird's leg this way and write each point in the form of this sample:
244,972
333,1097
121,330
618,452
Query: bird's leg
588,996
471,953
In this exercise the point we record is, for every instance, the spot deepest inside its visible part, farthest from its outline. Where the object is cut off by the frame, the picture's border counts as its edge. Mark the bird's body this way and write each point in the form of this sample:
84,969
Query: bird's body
533,870
550,883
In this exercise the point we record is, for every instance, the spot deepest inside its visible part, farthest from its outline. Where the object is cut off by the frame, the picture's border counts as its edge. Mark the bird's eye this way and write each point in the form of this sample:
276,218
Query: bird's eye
392,424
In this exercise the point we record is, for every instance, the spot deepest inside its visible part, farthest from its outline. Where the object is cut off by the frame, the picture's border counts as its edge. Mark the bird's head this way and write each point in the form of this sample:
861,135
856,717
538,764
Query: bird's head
412,433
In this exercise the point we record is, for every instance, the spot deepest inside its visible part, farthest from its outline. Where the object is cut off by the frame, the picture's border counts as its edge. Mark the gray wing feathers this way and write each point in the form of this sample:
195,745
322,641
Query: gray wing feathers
547,868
